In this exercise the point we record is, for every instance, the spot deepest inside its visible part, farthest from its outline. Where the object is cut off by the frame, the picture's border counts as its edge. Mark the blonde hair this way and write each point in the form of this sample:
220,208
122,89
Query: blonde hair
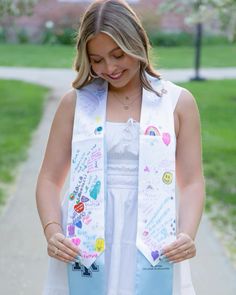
116,19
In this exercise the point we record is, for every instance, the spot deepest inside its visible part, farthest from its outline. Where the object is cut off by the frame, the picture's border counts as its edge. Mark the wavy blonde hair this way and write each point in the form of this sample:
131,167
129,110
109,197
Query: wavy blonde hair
116,19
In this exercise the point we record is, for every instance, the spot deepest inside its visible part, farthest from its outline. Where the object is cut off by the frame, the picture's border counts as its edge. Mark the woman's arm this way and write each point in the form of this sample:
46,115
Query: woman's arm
190,179
51,179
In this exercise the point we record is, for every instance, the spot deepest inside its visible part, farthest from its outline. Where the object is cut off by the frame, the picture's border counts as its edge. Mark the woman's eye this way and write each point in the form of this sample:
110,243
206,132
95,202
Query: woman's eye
97,61
119,56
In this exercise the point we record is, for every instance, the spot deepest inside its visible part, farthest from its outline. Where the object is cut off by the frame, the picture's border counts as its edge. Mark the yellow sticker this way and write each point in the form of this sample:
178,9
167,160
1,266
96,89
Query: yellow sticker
167,177
98,119
99,245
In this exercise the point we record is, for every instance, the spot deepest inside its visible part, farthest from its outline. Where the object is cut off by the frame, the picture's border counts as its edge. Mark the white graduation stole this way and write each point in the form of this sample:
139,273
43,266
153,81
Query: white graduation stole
156,190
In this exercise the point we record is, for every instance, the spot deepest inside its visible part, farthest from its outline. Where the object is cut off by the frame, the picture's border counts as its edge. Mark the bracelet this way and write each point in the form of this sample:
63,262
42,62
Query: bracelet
50,222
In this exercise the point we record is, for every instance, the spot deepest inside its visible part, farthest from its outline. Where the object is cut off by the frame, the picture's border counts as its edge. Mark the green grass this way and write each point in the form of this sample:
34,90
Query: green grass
217,106
42,56
58,56
183,57
21,107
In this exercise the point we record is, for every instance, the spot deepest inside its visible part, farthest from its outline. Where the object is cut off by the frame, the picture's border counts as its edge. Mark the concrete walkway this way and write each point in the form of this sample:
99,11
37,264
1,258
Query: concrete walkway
23,259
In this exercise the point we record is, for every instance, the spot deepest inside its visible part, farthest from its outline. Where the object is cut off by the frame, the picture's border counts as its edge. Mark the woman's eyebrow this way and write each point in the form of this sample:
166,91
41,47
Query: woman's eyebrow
114,49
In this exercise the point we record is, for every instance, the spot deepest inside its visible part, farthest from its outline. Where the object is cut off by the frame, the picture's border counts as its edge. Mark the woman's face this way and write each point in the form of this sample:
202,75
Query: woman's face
110,62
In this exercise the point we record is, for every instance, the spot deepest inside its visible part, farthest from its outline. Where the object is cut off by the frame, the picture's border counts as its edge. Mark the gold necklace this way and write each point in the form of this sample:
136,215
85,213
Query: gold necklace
126,106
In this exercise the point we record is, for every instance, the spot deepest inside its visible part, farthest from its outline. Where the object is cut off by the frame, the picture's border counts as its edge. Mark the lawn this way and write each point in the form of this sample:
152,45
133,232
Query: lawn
217,105
21,107
183,57
58,56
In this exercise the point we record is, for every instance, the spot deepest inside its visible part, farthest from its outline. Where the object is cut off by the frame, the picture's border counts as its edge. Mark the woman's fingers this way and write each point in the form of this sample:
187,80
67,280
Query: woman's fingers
181,249
184,252
62,248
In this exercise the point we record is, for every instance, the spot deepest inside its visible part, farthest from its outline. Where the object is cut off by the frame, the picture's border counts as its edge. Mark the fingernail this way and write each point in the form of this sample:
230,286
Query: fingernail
77,259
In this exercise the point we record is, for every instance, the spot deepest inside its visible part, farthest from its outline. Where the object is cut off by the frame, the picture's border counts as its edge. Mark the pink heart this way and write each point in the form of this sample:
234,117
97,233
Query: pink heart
76,241
166,138
146,169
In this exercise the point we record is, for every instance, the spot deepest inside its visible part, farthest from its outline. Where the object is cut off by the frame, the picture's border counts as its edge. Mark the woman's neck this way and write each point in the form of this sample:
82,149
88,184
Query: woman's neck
132,87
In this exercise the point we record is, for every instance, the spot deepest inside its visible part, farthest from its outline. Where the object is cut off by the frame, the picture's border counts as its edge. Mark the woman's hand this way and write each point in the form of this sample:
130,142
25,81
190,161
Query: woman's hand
62,248
181,249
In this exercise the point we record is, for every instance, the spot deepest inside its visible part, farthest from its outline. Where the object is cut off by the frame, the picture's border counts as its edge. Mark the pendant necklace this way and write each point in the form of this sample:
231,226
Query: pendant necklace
126,105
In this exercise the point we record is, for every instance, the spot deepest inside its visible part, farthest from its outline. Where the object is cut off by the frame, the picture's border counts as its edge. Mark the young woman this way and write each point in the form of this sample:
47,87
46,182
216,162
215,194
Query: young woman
126,135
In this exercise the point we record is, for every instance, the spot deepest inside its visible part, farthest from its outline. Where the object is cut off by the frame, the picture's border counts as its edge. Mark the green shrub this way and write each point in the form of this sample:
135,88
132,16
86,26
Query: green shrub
48,37
66,36
158,38
3,36
165,39
22,36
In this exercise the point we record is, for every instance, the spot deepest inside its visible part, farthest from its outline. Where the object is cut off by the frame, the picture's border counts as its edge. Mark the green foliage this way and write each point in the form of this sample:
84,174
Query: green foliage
2,35
48,37
21,107
16,7
198,11
170,39
66,36
22,36
183,39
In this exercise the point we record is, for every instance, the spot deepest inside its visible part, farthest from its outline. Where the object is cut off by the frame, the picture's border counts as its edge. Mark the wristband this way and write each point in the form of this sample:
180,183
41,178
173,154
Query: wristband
50,222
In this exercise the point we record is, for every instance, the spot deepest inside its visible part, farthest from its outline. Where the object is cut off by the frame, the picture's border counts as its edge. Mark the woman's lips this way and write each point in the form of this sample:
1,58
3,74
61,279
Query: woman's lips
115,76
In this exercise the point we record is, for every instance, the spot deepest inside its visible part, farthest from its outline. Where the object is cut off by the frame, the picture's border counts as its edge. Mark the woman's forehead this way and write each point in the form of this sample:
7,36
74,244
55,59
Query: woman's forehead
101,43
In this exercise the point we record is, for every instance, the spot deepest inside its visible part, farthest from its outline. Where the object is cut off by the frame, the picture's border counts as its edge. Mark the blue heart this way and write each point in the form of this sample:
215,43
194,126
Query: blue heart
79,224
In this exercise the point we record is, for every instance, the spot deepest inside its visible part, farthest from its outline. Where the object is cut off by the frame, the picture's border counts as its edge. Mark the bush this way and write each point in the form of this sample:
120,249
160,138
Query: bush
170,39
3,36
48,37
183,39
22,36
66,36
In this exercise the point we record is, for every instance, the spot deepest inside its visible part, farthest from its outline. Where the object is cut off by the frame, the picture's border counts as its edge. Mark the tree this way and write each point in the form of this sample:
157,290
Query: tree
198,12
16,7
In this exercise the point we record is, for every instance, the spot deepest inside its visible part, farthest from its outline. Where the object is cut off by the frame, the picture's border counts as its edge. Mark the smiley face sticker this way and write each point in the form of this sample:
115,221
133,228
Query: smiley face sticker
99,245
167,177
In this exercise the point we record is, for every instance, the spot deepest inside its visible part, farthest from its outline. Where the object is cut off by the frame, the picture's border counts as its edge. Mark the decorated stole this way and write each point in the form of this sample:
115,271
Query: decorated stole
156,190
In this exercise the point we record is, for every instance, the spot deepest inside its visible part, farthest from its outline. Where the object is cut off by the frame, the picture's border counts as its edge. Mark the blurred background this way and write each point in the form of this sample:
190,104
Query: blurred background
37,38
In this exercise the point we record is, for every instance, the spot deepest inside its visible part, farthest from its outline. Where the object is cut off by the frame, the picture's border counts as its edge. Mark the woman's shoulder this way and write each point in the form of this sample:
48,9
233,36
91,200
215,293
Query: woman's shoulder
186,103
68,100
67,104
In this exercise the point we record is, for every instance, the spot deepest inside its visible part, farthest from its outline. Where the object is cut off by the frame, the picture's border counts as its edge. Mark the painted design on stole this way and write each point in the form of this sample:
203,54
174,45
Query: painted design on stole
159,225
84,199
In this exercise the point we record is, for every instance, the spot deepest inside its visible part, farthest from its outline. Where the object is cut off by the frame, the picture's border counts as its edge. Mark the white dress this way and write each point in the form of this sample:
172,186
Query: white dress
121,219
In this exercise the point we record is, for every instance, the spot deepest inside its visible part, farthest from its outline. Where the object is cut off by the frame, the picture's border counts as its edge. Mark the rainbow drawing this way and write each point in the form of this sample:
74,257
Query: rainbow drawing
152,131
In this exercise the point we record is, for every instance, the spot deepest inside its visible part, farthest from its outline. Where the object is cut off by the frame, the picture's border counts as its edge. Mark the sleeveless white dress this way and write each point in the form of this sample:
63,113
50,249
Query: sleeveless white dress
121,218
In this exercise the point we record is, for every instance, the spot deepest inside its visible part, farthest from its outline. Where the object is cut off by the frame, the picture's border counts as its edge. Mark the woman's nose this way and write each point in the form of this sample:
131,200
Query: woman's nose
110,67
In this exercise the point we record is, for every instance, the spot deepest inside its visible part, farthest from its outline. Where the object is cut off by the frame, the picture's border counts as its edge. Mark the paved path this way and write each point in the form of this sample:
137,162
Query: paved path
23,259
61,78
